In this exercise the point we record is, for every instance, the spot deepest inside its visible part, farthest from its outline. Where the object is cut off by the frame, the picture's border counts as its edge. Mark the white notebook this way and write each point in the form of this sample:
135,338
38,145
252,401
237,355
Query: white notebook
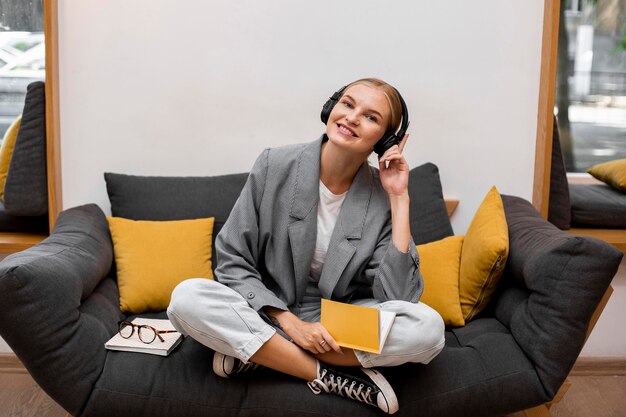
133,344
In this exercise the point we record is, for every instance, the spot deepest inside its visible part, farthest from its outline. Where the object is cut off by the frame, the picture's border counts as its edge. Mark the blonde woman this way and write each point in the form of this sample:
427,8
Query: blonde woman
317,221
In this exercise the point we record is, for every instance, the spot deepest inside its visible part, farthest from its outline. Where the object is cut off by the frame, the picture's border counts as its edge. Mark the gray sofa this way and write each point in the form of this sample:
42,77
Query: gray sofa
59,303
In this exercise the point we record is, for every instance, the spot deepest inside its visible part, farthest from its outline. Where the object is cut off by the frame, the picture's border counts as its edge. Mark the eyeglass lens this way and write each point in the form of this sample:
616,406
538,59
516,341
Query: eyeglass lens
147,334
126,329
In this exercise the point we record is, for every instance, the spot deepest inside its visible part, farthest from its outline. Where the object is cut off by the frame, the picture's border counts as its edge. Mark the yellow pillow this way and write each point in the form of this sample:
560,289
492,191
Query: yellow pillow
439,263
153,257
612,173
484,254
6,150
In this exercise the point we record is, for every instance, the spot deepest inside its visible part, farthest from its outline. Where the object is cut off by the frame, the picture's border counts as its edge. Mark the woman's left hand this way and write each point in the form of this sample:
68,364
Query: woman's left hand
395,177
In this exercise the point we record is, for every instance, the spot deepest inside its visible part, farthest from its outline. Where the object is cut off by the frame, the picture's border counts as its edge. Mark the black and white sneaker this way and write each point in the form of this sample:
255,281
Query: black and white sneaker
227,366
376,391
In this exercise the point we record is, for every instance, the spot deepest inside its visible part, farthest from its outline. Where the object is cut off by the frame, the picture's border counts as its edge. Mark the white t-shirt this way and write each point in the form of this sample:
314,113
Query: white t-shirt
327,212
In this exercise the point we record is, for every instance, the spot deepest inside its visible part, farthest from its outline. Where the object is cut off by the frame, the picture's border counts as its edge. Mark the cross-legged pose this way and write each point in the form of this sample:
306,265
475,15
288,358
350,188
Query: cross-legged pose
317,221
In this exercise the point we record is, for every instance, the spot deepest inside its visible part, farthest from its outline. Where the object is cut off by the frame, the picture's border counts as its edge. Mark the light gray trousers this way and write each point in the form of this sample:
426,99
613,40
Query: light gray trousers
220,318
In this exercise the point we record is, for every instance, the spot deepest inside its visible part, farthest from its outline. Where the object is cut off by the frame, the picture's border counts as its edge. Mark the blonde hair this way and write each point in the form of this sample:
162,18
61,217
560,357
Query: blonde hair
395,106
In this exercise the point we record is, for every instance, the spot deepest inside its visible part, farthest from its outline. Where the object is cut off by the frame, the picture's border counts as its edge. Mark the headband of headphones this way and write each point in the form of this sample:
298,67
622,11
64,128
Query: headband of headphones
389,138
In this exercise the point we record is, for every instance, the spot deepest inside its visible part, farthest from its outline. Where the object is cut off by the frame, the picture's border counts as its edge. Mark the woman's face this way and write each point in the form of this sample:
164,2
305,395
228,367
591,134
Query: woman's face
359,119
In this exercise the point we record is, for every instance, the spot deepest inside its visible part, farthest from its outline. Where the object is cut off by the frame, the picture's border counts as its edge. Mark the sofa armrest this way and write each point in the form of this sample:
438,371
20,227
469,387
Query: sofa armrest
557,281
56,308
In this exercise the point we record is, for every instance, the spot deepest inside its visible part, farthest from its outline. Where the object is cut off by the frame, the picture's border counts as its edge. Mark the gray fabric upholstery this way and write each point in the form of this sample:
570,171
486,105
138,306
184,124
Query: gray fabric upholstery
26,188
56,311
426,196
479,373
559,212
564,277
174,198
8,223
598,205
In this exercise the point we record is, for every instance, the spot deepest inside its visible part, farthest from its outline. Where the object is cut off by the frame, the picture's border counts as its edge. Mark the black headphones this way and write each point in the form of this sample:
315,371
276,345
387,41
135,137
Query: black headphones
389,138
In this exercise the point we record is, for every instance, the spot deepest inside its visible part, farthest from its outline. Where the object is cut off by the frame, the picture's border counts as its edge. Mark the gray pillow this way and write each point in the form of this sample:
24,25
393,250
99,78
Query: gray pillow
429,216
26,188
174,198
559,209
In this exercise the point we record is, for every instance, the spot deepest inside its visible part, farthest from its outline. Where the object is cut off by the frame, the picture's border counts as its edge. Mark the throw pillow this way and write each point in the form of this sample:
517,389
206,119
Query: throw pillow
429,219
484,254
612,173
439,264
152,257
6,150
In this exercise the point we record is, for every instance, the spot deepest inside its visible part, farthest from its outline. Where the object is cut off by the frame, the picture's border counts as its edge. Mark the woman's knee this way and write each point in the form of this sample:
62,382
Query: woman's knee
188,294
427,329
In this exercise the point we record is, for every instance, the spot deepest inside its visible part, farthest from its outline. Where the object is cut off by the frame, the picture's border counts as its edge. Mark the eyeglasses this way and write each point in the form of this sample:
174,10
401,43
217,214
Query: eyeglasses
146,333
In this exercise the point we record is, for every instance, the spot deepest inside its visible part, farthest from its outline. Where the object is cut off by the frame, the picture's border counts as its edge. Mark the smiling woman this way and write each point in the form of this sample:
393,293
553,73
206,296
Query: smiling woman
378,267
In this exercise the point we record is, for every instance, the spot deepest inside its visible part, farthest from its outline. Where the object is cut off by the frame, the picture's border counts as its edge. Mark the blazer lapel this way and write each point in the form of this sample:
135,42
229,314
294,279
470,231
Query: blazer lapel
349,227
303,229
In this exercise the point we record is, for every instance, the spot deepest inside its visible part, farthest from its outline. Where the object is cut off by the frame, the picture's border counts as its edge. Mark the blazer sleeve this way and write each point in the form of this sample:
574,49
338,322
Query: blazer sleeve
237,244
394,275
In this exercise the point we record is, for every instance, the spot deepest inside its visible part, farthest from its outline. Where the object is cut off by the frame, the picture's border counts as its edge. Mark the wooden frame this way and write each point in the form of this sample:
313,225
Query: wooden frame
15,242
545,112
53,127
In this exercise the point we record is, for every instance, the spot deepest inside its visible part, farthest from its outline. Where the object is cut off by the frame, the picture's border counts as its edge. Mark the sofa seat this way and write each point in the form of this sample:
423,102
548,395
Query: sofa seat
34,224
597,205
479,369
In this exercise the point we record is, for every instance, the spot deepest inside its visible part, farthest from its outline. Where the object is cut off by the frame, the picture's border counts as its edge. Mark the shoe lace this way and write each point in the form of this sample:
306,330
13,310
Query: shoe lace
344,387
244,367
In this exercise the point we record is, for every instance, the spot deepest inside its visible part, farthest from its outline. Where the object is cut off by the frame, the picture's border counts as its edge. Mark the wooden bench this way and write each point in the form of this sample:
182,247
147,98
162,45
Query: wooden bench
11,242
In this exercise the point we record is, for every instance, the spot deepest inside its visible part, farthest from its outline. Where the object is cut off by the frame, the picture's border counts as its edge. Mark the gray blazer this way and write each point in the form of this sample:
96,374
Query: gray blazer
265,249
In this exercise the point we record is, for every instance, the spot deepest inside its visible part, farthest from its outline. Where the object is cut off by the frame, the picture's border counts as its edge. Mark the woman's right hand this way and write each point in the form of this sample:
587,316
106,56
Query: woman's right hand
309,336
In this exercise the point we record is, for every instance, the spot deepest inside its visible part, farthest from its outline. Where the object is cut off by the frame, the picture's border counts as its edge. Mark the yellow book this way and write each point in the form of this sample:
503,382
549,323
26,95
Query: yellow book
357,327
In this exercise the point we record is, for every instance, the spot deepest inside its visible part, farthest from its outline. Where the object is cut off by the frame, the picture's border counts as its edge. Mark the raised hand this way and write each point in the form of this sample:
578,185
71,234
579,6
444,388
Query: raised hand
394,170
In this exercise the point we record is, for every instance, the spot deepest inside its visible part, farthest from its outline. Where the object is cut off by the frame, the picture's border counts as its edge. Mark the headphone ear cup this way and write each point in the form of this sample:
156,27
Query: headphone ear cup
328,107
386,142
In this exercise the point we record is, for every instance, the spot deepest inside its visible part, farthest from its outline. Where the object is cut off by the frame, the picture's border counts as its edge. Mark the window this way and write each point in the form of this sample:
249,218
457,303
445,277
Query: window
22,54
590,98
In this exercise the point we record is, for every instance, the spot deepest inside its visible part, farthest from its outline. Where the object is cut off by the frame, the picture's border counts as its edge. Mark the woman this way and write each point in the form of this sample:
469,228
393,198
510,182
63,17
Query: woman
316,220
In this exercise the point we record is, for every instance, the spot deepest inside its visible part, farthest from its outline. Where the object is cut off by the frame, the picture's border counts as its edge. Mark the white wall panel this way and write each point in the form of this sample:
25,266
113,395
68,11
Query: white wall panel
201,87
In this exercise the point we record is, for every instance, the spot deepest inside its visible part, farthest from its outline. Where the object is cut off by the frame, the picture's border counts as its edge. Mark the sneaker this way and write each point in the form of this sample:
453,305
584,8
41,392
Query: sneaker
376,391
227,366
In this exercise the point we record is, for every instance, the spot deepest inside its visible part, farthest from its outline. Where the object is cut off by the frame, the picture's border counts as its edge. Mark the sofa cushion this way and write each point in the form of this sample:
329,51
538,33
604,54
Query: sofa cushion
484,254
26,188
428,214
153,257
439,264
554,280
34,224
479,372
174,198
598,205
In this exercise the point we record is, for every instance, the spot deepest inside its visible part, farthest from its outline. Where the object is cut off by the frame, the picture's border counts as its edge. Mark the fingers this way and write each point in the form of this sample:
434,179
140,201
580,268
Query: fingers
392,154
331,343
319,340
403,142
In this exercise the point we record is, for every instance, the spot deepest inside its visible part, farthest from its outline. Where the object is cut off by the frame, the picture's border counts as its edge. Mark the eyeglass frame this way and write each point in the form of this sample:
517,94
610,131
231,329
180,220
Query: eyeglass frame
157,332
